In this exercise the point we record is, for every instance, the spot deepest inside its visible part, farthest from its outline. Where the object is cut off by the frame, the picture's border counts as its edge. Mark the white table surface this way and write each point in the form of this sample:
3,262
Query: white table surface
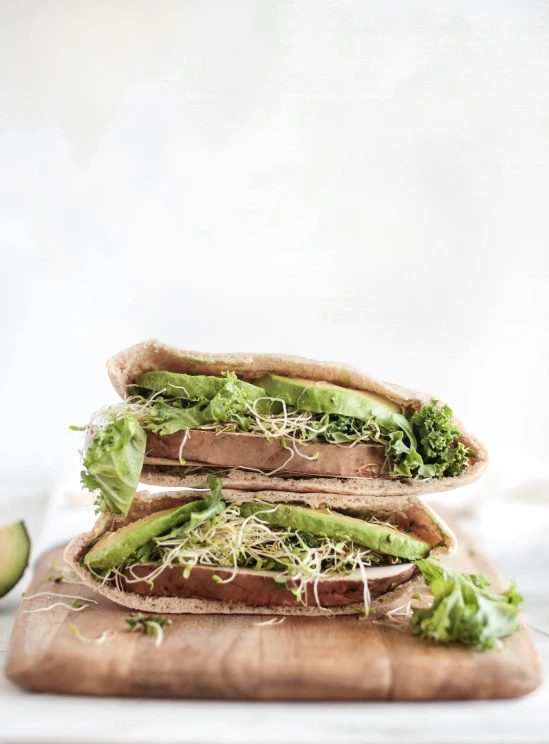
40,718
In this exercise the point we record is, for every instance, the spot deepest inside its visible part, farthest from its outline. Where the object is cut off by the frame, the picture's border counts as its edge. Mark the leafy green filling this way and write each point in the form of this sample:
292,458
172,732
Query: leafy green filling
230,401
280,551
221,536
463,610
424,445
224,537
113,463
442,454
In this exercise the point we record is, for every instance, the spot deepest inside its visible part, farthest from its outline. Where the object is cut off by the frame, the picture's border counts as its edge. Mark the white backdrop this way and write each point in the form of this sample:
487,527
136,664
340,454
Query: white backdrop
361,181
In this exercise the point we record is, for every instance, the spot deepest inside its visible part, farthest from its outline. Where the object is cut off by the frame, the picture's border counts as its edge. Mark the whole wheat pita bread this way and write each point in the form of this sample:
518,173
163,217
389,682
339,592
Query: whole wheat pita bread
408,512
125,367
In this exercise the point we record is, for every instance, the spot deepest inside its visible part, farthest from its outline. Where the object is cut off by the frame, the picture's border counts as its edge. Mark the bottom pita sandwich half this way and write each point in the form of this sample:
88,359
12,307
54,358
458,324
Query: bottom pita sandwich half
283,553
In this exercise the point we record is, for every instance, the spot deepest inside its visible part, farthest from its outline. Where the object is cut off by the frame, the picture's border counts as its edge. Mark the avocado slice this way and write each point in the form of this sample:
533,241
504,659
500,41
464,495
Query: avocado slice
203,387
14,555
325,397
182,386
116,547
376,537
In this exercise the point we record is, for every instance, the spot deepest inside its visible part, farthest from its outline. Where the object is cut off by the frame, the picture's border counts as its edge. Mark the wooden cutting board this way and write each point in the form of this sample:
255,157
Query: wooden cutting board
232,657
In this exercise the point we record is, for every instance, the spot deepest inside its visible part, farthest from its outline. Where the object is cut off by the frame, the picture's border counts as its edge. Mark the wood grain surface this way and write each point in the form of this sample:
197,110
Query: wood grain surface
232,657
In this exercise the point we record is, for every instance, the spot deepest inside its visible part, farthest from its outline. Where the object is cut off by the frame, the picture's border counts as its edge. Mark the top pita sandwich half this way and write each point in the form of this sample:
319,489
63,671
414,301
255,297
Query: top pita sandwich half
269,422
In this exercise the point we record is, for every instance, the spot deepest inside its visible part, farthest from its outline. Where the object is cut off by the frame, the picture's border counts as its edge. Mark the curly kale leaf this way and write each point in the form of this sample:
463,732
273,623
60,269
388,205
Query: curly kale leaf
441,453
427,445
113,464
435,428
463,610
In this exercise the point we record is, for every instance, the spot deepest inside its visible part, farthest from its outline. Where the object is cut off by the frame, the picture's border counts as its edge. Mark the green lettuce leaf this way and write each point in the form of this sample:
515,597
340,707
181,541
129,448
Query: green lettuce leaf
216,506
397,447
228,404
163,418
463,610
405,425
113,464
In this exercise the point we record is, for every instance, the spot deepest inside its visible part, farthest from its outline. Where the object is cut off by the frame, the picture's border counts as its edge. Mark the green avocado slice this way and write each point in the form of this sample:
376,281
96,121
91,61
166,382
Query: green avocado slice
203,387
178,385
376,537
116,547
14,555
324,397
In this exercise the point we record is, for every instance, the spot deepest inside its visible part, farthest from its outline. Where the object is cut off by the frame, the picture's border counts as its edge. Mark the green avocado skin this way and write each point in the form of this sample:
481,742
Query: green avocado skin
14,555
375,537
317,397
178,385
116,547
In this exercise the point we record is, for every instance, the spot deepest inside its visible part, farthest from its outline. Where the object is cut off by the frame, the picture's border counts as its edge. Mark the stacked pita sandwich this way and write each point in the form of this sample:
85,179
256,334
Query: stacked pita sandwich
294,485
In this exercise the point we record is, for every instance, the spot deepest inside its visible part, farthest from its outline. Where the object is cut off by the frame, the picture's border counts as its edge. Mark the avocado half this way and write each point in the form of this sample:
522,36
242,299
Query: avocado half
14,555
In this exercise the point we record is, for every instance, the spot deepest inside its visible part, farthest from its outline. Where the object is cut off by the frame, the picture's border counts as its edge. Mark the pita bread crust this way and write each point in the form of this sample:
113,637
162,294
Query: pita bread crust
125,367
243,479
426,524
